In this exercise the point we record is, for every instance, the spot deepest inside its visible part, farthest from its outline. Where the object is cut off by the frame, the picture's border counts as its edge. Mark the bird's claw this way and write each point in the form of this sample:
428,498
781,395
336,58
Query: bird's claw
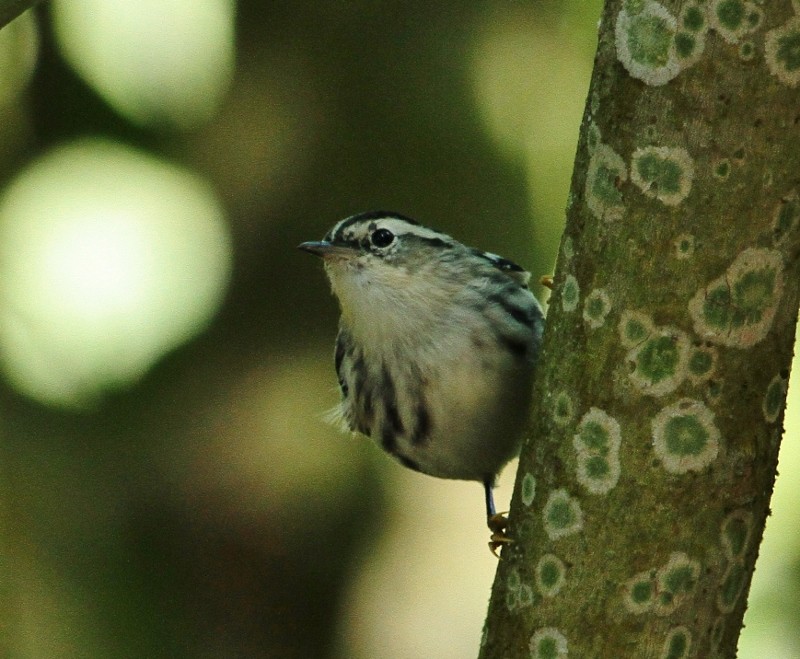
498,523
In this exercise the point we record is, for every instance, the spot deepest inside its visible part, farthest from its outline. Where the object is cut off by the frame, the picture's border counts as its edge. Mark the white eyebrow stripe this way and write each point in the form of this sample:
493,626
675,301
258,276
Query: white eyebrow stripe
401,227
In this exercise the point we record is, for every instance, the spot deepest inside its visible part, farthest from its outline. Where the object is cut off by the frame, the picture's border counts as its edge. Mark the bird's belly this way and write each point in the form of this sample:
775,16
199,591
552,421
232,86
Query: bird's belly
476,415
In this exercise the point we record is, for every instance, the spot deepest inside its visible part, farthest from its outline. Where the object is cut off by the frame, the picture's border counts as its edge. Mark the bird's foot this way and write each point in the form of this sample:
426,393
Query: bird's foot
498,523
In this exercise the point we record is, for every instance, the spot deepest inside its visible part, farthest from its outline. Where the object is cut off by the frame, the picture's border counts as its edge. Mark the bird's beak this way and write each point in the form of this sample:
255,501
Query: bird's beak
326,250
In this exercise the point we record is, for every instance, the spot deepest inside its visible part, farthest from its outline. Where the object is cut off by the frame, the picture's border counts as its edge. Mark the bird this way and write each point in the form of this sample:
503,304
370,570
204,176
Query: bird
436,348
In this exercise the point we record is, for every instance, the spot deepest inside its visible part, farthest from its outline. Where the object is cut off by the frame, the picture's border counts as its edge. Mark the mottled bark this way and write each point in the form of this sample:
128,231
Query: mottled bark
643,490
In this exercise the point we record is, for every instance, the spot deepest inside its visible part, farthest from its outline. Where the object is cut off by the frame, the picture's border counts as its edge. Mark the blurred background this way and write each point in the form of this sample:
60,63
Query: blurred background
168,485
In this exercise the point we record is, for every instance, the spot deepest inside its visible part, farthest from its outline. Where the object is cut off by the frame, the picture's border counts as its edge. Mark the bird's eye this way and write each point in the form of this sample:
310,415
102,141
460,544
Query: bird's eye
382,237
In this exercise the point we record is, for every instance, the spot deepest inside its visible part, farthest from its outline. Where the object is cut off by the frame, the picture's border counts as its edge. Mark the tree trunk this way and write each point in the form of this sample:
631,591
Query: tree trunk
644,486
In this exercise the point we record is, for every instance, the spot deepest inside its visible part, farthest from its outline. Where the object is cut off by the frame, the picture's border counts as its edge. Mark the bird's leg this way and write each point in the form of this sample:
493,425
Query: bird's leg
497,522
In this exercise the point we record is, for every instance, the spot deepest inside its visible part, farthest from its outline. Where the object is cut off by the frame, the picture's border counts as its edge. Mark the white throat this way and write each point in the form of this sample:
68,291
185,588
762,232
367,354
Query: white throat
384,305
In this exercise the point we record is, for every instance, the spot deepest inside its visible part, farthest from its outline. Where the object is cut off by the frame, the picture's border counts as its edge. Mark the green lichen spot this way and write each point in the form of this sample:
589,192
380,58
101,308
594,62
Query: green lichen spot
597,467
548,643
677,644
547,648
693,18
518,594
659,174
738,308
685,44
664,173
680,579
607,171
528,489
747,51
550,575
786,217
731,14
597,474
722,169
642,592
570,293
596,307
753,18
788,51
732,19
717,307
525,595
684,246
597,445
700,362
676,581
732,584
649,40
562,409
593,436
658,359
635,330
562,515
782,52
605,185
736,534
774,399
752,293
685,436
644,42
659,365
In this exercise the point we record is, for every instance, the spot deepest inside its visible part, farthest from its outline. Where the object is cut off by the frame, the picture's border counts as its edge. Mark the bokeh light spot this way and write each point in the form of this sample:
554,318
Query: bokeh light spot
157,62
109,258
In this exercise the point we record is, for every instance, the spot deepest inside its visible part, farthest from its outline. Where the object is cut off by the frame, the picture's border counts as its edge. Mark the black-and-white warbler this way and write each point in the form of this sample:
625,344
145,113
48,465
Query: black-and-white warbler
436,348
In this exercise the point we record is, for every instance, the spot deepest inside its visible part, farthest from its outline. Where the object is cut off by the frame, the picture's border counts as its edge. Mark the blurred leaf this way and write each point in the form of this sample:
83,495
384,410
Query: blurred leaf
10,9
